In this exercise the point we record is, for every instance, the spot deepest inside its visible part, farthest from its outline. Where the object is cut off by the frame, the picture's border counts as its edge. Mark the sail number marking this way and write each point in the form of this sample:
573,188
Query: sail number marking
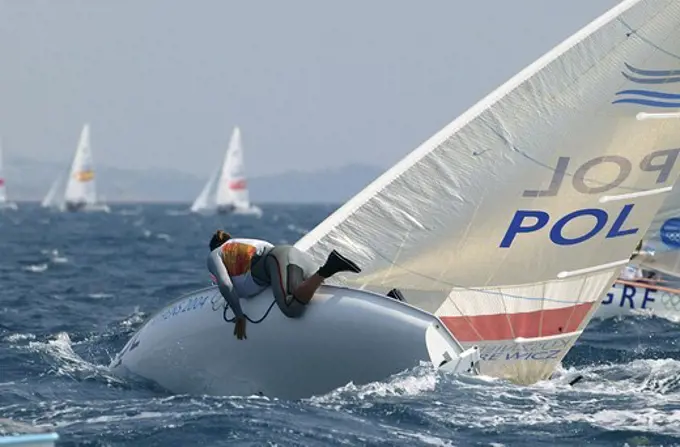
187,305
627,295
526,221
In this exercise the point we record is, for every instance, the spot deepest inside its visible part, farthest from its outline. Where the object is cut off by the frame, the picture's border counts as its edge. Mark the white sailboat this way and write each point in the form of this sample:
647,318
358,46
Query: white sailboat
226,190
79,193
512,223
5,204
503,231
206,199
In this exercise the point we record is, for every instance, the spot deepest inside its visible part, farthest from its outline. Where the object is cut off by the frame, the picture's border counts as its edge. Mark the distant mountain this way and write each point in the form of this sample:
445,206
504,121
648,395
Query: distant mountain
31,179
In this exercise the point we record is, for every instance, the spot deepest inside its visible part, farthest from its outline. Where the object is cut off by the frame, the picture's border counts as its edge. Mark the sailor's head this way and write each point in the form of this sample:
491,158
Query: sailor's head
219,238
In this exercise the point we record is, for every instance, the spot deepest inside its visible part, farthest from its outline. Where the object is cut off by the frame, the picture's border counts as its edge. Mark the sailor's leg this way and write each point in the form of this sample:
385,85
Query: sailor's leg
307,288
288,269
292,276
335,263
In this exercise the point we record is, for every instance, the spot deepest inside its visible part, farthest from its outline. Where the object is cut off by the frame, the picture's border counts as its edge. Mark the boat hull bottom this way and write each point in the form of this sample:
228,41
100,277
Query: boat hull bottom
346,336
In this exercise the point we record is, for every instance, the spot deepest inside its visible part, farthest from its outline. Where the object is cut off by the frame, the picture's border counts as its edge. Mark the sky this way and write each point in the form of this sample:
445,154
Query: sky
312,84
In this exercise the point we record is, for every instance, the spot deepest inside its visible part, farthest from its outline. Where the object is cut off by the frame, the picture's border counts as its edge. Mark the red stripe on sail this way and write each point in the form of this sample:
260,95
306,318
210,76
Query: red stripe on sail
539,323
2,181
237,184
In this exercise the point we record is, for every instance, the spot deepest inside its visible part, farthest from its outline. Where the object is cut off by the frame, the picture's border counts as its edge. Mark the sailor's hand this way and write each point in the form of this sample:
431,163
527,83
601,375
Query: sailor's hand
240,328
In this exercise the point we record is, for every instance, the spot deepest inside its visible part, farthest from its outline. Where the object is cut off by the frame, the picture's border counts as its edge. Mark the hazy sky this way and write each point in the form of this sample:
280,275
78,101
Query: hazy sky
312,83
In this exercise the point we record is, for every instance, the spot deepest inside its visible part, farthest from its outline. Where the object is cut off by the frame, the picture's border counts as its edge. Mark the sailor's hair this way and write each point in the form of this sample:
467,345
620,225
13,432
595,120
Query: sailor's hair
219,238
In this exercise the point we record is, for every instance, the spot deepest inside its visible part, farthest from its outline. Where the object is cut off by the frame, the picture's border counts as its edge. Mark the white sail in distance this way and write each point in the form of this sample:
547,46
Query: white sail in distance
4,201
81,192
230,194
81,188
204,199
513,221
54,197
233,188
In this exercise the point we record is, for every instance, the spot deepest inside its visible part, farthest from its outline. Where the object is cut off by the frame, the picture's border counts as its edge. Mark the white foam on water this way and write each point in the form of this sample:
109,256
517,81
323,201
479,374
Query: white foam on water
408,383
65,362
100,295
36,268
648,420
297,229
13,338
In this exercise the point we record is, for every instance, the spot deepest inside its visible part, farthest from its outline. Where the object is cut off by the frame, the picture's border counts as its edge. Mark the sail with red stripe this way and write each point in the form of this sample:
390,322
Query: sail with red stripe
513,221
227,188
232,189
238,185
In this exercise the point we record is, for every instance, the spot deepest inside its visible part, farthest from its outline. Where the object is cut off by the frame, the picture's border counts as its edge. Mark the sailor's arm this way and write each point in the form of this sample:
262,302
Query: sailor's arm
217,268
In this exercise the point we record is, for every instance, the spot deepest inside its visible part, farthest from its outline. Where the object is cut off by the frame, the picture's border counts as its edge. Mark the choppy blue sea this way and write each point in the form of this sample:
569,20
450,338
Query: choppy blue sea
74,287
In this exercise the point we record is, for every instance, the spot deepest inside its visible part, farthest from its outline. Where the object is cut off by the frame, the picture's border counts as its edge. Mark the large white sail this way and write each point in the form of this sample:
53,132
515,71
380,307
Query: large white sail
513,221
4,202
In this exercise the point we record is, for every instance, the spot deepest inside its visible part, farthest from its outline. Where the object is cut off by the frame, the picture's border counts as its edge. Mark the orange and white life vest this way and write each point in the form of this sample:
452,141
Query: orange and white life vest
237,256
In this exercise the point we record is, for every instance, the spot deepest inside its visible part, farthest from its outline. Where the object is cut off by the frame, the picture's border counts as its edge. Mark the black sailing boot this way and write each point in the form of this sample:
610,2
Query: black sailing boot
337,263
396,294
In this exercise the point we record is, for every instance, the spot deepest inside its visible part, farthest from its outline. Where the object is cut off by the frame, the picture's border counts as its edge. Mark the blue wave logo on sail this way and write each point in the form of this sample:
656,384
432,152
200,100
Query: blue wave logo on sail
646,97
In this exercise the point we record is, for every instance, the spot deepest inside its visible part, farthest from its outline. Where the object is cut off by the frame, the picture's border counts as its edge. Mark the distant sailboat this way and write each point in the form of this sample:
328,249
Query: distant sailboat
226,190
52,200
80,193
4,203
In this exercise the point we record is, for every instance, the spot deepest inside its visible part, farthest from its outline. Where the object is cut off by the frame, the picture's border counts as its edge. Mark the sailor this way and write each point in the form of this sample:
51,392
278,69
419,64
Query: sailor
243,268
643,250
632,271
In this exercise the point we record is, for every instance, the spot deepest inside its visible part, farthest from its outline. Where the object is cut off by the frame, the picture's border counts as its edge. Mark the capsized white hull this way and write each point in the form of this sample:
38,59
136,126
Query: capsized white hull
627,298
345,336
